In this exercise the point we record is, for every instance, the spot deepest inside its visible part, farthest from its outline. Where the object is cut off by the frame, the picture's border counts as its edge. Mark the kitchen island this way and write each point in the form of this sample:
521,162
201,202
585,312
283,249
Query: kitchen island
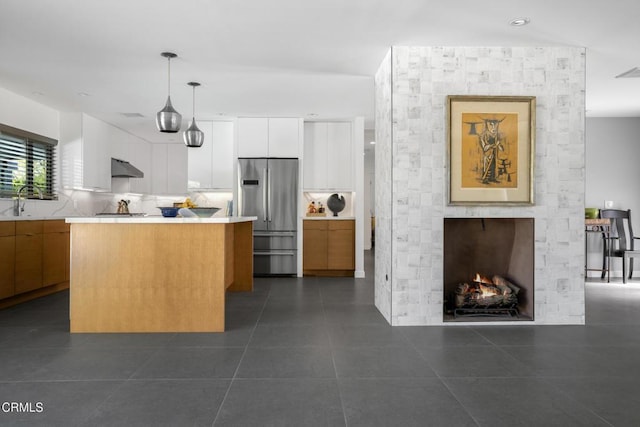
157,274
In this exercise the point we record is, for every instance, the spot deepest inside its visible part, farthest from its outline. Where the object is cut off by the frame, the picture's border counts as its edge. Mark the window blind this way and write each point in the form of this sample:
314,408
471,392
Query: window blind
26,159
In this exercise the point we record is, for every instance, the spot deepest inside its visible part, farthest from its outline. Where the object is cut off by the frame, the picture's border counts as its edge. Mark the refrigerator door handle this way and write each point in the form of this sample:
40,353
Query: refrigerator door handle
265,181
272,234
279,253
269,194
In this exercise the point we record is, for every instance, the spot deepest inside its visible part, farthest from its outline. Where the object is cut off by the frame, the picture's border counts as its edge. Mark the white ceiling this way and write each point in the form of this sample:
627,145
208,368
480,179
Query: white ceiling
313,59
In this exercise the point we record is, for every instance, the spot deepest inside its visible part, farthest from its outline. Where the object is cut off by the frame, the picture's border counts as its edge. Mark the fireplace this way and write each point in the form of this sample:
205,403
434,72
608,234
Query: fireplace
488,269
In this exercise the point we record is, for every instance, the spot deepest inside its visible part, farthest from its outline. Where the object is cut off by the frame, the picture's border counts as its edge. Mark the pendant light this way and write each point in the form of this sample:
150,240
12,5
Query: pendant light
193,137
168,119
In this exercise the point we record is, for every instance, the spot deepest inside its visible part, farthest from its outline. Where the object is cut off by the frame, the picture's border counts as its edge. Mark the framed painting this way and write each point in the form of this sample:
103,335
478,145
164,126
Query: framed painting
491,149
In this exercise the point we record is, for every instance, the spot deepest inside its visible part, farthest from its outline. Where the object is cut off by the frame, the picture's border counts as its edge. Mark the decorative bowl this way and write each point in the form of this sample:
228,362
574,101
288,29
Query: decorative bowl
204,212
591,213
169,212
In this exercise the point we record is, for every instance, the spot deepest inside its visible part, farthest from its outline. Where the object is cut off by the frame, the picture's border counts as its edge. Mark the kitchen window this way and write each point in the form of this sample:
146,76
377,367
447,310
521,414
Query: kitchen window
26,159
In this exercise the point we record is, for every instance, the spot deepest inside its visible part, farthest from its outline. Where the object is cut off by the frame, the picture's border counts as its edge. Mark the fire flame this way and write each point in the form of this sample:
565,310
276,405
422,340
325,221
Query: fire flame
486,291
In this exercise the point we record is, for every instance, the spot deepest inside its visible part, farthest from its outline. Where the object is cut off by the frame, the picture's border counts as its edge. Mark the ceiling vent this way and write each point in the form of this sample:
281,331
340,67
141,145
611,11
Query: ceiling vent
132,115
632,73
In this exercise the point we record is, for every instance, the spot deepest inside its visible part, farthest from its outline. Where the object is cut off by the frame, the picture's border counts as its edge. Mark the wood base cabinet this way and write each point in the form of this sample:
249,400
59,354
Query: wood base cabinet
329,247
28,256
55,253
34,259
7,258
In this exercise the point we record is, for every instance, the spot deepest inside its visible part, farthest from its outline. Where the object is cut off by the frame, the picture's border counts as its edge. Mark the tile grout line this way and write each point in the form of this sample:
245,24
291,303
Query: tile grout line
440,378
333,358
246,347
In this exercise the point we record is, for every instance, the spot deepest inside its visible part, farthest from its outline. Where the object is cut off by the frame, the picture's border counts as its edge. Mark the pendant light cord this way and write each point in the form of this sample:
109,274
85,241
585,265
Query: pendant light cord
169,80
194,103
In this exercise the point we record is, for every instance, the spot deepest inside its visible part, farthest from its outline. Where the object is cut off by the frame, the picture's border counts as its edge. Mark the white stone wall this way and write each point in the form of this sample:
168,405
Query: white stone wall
421,78
383,167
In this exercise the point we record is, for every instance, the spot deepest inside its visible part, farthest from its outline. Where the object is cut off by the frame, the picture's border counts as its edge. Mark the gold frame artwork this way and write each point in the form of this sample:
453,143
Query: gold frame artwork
491,149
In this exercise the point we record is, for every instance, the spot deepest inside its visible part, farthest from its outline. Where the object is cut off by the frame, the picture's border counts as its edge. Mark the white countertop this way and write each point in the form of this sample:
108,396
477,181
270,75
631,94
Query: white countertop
33,218
158,219
328,217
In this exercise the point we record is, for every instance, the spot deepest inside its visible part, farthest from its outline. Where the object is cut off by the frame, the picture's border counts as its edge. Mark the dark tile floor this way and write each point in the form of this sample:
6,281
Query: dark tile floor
315,351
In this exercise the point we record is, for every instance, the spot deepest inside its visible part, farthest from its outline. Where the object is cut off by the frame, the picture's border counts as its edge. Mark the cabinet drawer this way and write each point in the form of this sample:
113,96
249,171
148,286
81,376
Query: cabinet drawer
342,224
55,226
317,224
28,227
271,241
7,228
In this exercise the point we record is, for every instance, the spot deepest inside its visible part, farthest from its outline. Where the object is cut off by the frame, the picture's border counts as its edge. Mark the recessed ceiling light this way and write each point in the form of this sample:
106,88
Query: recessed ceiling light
83,94
519,22
372,143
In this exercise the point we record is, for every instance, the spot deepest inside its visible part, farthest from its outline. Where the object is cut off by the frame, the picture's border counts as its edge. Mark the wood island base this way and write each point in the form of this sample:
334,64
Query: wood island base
157,277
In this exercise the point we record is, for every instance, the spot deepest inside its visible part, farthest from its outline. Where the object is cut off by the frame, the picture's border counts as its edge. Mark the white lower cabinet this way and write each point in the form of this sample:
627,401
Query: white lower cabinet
211,166
168,169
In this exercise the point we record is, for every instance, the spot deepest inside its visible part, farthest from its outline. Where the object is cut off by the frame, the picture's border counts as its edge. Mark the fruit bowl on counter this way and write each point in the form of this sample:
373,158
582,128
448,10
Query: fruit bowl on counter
200,212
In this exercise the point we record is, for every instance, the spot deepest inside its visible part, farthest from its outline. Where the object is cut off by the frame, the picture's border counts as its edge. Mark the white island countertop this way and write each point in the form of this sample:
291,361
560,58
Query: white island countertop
158,219
328,217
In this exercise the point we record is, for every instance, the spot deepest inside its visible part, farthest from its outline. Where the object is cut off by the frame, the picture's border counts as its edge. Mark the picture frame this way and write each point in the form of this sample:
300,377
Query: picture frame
491,149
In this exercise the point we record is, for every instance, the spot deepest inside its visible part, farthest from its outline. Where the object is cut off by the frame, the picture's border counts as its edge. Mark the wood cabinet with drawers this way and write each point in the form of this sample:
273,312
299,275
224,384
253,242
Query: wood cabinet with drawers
328,247
55,252
28,256
34,259
7,258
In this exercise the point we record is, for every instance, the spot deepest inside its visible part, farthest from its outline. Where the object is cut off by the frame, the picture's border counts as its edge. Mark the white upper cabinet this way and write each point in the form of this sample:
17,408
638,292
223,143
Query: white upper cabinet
340,165
253,137
328,156
120,145
168,169
211,166
269,137
284,137
315,155
140,157
85,152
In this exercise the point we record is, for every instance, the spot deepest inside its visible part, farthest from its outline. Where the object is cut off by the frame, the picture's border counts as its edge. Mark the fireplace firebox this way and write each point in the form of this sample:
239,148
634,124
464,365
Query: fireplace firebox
488,269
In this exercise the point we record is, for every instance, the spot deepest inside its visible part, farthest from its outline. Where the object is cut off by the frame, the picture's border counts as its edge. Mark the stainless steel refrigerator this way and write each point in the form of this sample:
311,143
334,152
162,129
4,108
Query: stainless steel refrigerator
268,189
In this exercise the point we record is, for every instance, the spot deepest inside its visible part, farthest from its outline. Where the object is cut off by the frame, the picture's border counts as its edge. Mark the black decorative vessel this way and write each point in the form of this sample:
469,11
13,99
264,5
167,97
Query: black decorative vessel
335,204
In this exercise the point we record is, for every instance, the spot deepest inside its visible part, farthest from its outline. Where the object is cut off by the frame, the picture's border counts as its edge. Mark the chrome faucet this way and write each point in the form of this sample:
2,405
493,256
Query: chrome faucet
17,209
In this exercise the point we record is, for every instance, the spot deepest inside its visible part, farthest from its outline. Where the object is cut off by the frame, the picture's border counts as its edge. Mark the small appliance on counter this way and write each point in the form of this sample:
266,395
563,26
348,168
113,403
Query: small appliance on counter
123,207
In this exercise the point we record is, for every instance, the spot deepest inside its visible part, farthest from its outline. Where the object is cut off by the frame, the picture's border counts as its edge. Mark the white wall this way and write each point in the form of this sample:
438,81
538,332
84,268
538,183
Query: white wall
23,113
369,186
613,173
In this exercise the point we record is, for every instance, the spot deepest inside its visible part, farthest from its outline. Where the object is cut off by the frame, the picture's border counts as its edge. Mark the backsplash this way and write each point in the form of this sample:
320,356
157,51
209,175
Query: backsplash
87,203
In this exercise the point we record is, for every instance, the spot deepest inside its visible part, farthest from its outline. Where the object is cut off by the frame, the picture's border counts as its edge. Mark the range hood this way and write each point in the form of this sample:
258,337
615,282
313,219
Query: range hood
122,169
